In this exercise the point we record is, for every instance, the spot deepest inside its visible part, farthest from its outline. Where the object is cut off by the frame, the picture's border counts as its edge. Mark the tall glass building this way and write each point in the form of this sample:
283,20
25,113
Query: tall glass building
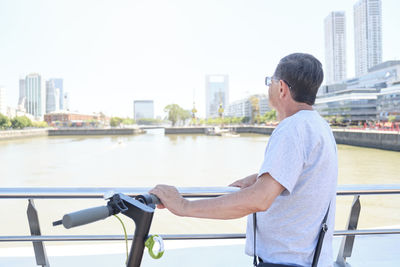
367,35
217,92
35,96
335,47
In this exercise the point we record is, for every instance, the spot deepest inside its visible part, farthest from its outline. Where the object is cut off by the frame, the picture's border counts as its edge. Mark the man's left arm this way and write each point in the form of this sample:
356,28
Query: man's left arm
257,197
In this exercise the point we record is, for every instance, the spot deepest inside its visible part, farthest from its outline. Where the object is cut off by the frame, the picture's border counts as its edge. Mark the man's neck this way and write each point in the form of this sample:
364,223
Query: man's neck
293,109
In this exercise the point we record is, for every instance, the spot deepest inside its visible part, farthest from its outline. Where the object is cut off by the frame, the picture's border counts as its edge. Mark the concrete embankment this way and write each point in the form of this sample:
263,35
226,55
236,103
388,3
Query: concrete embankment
254,129
111,131
186,130
373,139
363,138
11,134
27,133
202,130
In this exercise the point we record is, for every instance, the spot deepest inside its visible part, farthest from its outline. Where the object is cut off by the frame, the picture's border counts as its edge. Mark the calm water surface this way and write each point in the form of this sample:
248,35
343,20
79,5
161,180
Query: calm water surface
182,160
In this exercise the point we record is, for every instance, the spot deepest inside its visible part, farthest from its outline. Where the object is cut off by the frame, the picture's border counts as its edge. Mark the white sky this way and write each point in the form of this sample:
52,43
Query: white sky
112,52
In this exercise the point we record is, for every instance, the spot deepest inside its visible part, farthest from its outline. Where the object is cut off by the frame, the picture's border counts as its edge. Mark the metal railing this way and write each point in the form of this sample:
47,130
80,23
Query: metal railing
37,239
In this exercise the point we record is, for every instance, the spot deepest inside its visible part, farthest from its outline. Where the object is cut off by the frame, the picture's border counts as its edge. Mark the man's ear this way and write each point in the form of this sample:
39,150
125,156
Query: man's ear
283,89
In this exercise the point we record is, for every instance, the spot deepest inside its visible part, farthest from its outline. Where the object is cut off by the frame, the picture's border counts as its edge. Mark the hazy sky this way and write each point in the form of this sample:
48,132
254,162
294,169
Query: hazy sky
112,52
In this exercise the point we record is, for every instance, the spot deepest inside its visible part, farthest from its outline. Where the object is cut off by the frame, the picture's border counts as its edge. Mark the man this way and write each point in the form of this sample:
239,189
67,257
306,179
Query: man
297,180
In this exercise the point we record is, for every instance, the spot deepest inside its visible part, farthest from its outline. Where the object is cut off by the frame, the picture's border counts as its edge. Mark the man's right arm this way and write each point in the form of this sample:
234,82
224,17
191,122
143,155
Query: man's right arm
257,197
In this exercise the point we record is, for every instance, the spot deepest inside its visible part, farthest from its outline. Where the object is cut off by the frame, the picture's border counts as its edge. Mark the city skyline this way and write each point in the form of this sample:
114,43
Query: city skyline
168,50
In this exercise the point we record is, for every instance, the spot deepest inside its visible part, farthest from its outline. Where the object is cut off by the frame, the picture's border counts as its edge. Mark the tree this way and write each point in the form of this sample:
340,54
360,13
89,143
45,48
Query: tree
173,113
237,120
4,122
149,121
115,121
21,122
128,121
184,115
176,113
269,116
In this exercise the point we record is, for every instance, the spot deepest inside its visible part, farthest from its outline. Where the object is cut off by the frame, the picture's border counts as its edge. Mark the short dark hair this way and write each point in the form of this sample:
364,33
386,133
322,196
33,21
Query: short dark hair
303,73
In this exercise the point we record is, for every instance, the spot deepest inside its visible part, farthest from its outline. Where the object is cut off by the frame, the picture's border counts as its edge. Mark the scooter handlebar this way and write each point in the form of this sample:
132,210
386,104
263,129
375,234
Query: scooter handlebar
86,216
90,215
148,199
154,199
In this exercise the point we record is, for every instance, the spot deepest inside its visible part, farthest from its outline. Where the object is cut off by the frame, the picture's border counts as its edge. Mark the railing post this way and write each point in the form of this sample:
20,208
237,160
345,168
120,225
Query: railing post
346,246
38,246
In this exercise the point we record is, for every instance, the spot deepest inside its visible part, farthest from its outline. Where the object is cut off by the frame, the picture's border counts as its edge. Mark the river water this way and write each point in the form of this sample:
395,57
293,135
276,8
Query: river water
181,160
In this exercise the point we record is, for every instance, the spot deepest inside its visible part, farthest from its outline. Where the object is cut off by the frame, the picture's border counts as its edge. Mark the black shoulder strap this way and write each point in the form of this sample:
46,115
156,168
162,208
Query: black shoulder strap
254,230
324,229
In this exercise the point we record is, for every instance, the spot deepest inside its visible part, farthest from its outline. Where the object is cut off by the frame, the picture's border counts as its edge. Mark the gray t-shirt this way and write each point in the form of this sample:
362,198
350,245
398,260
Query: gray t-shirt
301,155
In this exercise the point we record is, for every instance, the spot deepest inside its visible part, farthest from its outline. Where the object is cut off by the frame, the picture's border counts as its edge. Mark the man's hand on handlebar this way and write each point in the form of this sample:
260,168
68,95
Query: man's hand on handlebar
170,199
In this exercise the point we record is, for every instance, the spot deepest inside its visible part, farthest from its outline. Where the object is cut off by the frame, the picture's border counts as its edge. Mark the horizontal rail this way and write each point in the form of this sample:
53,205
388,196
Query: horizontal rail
195,192
116,237
173,237
98,192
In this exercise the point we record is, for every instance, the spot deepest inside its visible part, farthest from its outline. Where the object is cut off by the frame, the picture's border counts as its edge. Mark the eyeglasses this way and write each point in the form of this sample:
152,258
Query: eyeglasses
268,81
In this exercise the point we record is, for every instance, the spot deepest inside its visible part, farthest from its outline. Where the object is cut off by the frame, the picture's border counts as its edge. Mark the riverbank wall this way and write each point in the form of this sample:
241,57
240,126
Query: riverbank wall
373,139
238,129
111,131
27,133
364,138
185,130
13,134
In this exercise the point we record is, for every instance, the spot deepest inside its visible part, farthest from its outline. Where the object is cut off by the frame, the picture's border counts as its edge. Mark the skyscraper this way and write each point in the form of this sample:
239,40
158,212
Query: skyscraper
3,102
35,95
217,92
335,47
143,109
52,97
367,34
59,84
